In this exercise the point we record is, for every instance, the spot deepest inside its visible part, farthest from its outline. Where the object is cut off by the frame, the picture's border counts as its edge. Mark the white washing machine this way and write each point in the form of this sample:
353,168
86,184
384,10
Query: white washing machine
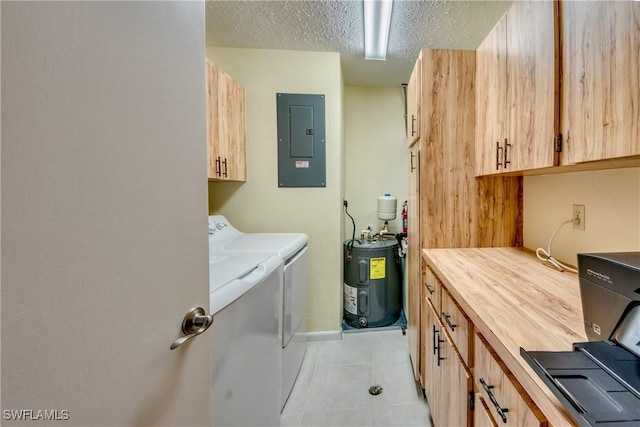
291,248
246,347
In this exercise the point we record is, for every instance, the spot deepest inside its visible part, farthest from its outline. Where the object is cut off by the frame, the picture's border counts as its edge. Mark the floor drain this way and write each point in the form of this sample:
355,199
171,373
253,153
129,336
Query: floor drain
375,390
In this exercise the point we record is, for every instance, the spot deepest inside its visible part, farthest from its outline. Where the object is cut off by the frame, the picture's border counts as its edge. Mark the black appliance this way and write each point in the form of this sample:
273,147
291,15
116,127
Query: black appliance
599,381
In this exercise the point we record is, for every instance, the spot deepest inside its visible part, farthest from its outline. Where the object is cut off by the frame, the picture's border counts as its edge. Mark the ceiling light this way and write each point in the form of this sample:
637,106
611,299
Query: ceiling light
377,19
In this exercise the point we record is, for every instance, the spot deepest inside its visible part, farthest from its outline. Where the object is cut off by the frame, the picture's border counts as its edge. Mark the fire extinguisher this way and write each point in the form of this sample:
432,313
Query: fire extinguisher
405,222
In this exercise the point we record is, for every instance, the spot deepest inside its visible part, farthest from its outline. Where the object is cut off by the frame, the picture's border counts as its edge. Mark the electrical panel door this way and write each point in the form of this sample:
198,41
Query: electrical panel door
301,140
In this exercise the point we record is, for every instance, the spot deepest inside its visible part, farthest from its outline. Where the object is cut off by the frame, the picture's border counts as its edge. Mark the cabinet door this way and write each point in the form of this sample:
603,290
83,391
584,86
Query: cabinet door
432,338
424,332
414,260
413,103
517,81
491,99
533,86
226,135
448,381
234,164
455,378
213,122
601,80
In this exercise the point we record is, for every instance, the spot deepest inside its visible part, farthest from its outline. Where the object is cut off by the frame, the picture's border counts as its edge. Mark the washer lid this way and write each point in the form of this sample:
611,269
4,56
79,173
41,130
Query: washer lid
224,268
230,277
282,244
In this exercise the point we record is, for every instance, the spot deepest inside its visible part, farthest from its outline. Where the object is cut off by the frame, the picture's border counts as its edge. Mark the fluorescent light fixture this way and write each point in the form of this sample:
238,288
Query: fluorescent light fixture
377,19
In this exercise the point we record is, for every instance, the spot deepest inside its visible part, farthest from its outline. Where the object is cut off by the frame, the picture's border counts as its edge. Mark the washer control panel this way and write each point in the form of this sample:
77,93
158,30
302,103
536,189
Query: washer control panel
220,230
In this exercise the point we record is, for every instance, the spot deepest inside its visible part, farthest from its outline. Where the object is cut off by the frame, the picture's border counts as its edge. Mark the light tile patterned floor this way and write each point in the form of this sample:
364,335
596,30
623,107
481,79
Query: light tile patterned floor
332,388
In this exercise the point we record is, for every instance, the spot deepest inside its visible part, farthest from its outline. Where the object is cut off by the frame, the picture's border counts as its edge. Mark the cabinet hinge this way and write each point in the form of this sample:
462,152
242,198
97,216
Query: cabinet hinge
557,145
471,400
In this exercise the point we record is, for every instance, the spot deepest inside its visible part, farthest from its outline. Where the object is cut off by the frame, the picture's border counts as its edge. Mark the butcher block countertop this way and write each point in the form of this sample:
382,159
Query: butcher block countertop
515,301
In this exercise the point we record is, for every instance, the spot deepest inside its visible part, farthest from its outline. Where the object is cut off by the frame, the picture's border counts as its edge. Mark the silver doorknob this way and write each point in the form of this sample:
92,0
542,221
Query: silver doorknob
194,323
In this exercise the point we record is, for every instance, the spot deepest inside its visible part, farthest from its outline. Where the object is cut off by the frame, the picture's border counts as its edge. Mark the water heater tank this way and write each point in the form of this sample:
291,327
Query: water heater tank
372,283
387,207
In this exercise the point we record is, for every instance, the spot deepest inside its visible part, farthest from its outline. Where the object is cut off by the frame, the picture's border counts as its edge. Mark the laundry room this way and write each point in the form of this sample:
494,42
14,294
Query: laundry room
370,152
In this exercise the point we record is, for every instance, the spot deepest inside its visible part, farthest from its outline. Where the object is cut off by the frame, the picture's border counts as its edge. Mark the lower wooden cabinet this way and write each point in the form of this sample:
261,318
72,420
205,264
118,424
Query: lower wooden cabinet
507,403
452,347
449,384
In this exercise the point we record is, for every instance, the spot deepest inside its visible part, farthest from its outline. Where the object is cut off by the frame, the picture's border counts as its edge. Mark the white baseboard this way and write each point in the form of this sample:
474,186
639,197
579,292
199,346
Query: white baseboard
324,336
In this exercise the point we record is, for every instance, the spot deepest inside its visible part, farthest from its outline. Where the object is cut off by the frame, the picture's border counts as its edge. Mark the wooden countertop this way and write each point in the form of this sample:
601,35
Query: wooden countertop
515,301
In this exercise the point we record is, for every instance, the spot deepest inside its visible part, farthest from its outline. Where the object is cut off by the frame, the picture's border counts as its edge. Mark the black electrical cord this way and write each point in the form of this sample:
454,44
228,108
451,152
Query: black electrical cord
353,235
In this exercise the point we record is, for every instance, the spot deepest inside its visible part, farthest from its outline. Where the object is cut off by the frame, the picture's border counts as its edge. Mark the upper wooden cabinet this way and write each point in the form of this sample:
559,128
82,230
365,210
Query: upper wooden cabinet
226,137
568,68
491,99
414,88
601,80
517,83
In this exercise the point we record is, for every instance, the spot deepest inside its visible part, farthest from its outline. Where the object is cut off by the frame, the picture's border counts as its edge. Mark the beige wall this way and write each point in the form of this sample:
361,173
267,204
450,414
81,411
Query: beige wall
259,205
612,212
376,155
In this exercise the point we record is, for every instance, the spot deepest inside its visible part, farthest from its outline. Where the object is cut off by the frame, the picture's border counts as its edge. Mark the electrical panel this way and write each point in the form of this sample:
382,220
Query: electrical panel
301,140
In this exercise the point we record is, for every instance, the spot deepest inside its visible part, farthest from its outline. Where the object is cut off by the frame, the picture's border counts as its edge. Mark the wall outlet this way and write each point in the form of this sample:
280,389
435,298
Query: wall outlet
578,213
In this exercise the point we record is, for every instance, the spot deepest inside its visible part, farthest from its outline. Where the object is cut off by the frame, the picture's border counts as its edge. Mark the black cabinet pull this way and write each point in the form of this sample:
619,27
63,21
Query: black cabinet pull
498,149
440,341
506,153
501,411
430,289
218,167
446,317
225,167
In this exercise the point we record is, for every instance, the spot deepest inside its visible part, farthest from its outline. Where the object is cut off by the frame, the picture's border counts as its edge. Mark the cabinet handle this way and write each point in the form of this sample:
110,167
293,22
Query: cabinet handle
413,121
413,156
501,411
218,167
436,347
446,317
506,155
430,289
440,341
498,149
225,167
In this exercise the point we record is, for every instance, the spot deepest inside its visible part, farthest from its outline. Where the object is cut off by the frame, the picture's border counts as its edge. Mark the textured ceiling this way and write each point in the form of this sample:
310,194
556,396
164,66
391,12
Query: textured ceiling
337,26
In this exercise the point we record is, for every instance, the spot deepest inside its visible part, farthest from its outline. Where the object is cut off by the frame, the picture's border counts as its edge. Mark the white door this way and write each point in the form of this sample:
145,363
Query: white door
104,213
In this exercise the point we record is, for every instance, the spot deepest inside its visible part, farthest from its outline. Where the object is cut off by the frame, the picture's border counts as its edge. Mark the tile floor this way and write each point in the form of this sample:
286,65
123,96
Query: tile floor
332,388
